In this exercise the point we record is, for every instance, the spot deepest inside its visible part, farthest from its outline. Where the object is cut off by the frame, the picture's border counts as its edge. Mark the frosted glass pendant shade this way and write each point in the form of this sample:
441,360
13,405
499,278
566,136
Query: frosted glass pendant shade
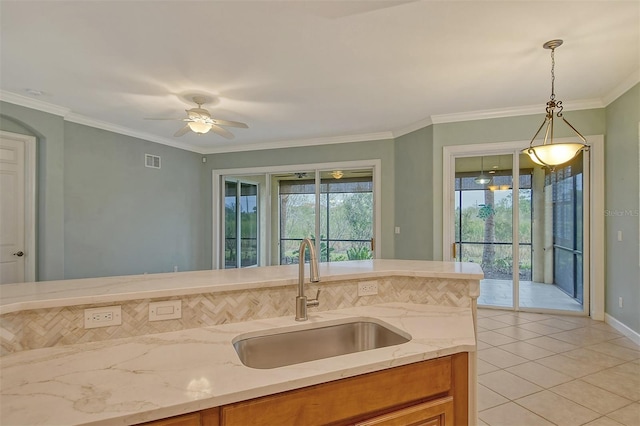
199,127
553,154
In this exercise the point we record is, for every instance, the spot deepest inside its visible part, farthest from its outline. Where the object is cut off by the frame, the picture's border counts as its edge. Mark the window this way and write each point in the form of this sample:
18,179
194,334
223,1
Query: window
344,213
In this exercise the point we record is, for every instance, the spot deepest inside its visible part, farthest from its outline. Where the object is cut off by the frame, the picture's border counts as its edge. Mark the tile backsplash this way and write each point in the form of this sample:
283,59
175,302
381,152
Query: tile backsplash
41,328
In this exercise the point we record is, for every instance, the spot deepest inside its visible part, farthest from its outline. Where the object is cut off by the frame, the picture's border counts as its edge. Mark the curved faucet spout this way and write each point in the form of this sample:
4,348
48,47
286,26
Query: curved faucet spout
301,300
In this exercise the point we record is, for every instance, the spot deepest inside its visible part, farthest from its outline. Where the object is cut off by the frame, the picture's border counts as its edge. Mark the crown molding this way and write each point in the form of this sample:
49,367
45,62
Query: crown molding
513,112
37,104
622,88
300,143
412,127
86,121
67,115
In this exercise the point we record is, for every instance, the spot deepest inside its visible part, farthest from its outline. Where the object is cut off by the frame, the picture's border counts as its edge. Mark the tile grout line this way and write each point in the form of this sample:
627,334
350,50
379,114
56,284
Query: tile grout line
586,334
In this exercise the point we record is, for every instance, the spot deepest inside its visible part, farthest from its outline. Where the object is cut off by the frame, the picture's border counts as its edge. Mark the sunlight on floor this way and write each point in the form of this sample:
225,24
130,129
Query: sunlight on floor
532,295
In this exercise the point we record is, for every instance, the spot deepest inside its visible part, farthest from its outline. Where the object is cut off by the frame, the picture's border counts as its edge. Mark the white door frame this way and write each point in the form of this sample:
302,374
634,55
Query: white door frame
216,219
29,201
595,251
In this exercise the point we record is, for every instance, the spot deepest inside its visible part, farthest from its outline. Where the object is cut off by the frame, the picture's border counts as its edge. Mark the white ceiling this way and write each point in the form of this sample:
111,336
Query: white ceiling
307,72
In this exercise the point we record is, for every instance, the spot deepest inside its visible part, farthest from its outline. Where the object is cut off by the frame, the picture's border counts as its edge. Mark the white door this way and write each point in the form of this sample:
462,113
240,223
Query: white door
13,193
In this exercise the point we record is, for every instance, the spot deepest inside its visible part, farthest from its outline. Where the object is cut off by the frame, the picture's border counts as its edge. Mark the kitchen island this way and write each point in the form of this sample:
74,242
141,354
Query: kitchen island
146,377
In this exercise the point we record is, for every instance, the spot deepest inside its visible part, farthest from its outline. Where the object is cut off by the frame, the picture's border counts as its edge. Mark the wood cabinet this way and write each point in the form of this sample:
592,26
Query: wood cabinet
438,412
192,419
427,393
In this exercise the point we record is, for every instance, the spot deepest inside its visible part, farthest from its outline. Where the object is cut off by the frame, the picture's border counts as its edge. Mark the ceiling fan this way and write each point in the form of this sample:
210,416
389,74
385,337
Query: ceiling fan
199,121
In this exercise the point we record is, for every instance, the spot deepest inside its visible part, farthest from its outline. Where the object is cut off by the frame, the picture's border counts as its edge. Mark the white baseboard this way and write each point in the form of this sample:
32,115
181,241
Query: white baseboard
635,337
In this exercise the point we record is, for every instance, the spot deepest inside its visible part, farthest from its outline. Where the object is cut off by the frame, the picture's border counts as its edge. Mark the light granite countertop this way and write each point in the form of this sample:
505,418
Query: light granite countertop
51,294
139,379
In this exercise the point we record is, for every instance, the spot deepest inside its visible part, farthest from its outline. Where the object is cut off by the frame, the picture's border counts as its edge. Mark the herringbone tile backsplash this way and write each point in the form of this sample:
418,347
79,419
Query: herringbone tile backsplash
41,328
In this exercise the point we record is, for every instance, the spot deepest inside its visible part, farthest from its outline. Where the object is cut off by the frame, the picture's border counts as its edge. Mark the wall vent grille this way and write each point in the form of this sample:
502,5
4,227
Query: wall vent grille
152,161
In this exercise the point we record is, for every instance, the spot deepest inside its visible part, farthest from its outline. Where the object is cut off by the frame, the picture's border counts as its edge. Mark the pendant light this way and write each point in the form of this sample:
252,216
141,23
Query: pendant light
551,154
482,179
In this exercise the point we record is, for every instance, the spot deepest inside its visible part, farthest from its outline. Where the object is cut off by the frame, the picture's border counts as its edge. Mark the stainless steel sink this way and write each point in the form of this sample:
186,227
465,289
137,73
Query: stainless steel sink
294,347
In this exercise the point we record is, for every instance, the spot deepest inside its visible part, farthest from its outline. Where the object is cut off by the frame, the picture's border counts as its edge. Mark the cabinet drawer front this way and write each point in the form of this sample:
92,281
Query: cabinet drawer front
432,413
192,419
343,399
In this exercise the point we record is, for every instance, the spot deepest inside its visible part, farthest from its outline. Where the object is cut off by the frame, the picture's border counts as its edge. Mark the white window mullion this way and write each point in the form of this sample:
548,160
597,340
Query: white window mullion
515,205
317,212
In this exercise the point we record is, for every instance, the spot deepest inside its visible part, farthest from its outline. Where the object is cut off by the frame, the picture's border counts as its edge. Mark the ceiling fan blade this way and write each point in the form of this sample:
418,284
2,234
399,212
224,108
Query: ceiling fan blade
177,119
230,123
222,132
182,131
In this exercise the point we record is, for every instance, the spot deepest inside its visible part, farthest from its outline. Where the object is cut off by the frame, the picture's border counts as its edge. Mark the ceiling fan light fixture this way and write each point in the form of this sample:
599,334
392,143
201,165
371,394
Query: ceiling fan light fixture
199,127
551,154
337,174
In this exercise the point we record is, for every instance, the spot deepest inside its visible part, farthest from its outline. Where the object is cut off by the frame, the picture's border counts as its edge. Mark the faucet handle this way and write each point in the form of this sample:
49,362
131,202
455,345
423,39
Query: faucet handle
314,302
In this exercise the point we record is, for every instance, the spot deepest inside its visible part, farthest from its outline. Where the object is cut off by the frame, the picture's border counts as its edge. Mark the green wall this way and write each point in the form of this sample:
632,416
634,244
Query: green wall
100,211
414,200
622,208
124,218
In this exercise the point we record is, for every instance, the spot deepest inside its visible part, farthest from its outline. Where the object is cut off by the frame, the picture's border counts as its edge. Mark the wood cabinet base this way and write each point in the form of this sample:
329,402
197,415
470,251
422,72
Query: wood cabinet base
427,393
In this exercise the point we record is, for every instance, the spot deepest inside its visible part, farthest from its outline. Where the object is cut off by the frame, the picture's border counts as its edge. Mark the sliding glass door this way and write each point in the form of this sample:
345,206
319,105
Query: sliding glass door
567,190
241,214
484,223
524,225
261,215
339,210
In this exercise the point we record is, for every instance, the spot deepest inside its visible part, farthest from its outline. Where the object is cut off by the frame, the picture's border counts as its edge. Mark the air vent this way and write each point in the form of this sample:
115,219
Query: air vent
152,161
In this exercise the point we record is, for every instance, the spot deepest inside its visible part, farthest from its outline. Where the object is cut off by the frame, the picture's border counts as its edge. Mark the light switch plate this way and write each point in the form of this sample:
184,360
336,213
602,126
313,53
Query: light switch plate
165,310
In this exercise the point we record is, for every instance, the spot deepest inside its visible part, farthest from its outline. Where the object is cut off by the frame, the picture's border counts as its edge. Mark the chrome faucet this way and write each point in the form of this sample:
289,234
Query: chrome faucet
301,301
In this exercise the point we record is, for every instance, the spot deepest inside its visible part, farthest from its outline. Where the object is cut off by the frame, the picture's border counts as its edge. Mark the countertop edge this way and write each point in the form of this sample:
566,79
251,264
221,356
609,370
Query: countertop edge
103,294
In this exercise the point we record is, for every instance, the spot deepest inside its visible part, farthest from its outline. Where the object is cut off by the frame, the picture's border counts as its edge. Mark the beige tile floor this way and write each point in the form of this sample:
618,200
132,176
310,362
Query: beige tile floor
543,369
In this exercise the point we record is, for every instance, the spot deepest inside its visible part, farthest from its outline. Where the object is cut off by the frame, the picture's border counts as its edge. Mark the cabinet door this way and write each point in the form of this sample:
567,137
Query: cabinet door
192,419
210,417
351,398
433,413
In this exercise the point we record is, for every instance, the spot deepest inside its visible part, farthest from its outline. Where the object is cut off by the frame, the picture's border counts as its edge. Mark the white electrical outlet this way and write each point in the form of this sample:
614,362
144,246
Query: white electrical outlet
620,304
102,317
367,288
